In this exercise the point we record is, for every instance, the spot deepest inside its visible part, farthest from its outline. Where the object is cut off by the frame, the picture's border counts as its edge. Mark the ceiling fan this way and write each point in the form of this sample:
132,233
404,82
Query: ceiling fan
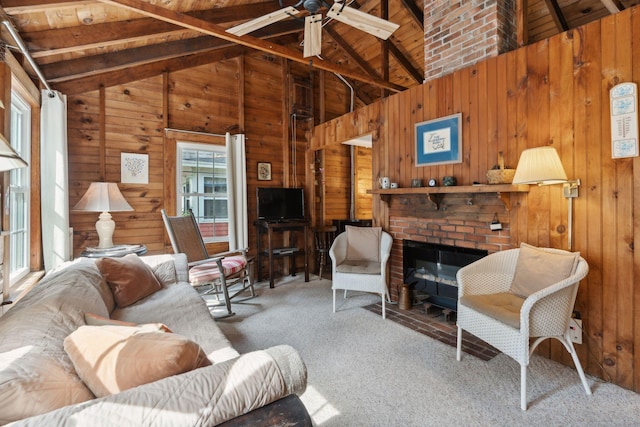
313,22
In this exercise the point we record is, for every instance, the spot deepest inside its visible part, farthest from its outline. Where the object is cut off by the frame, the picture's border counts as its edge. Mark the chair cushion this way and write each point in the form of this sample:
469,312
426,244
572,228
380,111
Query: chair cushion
129,278
359,267
363,243
504,306
537,269
208,272
110,359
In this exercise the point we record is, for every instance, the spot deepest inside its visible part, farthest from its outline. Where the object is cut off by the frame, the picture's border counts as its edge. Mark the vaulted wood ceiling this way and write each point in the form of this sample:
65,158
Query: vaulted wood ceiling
80,45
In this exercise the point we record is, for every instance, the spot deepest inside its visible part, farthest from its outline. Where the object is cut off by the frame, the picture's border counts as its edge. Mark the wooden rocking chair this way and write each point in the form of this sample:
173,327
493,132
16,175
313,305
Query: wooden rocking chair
205,269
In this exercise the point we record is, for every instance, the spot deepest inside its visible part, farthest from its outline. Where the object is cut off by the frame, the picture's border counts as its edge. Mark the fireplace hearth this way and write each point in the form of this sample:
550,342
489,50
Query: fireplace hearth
430,270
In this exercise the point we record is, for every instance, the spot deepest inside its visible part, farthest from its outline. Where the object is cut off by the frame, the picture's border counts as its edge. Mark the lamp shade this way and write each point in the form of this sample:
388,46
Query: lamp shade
103,197
9,159
541,166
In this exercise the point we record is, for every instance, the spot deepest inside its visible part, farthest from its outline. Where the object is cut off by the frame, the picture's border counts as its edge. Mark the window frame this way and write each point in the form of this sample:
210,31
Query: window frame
212,148
20,106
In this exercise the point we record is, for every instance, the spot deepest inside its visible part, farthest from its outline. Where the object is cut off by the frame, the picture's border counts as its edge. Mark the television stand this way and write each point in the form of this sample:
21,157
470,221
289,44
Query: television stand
274,251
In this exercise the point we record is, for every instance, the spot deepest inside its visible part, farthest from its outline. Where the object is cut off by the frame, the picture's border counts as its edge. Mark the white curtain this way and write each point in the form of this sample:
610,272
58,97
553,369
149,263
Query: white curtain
237,192
54,180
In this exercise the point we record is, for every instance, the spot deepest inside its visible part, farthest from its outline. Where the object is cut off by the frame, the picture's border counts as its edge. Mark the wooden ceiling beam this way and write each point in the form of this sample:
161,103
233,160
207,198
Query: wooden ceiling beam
16,7
205,27
613,6
64,40
113,78
556,14
404,62
98,64
351,51
80,67
416,13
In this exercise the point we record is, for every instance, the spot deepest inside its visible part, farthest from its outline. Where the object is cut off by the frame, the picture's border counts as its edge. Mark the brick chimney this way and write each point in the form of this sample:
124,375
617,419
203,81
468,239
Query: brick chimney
459,33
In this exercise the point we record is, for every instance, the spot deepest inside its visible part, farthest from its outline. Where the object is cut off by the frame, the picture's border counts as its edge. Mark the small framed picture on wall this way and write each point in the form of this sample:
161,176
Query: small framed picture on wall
264,171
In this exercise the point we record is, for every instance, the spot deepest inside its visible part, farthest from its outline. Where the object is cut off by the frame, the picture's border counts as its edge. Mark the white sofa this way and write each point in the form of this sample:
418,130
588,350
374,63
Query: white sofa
39,385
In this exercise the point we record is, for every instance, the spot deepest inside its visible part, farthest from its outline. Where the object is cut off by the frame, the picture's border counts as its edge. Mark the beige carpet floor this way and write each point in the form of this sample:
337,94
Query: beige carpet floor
365,371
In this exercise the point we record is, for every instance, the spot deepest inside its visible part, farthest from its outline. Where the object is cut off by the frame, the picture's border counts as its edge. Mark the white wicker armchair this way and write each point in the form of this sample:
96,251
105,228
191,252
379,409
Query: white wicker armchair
360,274
543,314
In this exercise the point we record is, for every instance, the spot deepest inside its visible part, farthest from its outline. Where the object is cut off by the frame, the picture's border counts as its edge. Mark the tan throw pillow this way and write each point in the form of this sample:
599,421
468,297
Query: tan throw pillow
537,269
363,243
110,359
129,278
95,320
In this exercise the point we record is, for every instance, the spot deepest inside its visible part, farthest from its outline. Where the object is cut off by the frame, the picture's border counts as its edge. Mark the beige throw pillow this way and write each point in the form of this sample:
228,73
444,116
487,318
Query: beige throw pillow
129,278
110,359
363,243
537,269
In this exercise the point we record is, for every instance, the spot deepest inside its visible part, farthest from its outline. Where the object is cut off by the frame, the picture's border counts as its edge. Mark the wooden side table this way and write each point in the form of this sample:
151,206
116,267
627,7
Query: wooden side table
116,251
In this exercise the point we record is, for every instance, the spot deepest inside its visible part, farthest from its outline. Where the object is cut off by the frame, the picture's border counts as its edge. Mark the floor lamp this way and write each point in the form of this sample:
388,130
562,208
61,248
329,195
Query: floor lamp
542,166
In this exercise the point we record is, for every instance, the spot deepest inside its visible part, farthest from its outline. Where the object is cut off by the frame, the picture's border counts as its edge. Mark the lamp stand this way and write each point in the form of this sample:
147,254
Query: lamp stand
105,227
570,190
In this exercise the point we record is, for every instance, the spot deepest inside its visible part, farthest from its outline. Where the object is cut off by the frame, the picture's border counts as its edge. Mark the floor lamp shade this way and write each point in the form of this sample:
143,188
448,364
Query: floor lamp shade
103,197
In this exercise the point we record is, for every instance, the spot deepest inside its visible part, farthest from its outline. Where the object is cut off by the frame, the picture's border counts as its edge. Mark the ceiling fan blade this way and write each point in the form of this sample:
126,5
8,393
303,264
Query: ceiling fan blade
263,21
362,21
312,35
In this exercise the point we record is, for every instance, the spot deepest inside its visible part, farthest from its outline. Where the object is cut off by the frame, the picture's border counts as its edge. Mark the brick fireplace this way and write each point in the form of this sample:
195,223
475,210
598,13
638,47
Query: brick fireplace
466,233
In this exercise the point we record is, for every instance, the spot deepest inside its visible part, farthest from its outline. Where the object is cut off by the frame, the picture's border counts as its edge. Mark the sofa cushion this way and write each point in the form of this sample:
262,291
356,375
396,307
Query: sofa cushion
537,269
129,278
504,306
110,359
359,267
95,320
363,243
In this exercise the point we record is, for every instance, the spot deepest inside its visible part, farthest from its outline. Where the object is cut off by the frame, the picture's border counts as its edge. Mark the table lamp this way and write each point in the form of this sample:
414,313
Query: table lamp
103,197
542,166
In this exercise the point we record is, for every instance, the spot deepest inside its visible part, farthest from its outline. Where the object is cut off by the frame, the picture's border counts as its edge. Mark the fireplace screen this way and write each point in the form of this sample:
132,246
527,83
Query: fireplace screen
431,269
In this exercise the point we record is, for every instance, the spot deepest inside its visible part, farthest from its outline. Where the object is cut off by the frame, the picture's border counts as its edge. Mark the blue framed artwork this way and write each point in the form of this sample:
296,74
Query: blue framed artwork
439,141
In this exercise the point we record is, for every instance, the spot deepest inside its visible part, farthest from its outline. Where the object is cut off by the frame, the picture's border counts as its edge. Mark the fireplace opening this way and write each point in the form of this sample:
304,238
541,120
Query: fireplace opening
430,270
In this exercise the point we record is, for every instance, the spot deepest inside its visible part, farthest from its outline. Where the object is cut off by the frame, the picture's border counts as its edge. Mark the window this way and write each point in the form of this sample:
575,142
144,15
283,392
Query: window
19,189
202,187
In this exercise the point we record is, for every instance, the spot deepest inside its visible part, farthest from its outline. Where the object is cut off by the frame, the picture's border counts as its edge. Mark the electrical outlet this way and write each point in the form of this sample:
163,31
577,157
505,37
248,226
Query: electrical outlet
575,331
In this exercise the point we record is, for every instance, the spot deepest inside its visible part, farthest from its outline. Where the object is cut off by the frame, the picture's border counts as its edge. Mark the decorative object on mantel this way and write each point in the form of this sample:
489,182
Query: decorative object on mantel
433,182
542,166
416,183
449,181
103,197
499,174
439,141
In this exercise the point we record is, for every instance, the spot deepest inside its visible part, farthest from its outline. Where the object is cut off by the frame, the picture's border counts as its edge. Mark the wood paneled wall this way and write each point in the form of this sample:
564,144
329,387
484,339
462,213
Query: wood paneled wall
554,92
247,94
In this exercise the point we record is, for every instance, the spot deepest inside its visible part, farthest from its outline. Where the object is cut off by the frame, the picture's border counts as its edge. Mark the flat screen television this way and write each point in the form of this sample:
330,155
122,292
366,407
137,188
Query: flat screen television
280,204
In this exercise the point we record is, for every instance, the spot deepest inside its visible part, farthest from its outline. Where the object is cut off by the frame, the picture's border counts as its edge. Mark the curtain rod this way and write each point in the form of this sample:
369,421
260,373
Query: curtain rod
25,52
192,132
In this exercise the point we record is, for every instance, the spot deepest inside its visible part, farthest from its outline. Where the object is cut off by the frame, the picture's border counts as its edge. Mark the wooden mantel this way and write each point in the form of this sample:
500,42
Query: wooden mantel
436,194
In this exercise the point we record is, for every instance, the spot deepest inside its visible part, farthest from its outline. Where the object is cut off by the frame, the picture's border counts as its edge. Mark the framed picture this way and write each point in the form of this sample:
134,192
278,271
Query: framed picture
134,168
439,141
264,171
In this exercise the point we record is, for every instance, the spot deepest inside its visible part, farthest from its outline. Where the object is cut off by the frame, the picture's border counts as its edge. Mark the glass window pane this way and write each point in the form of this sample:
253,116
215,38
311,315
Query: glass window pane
203,187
